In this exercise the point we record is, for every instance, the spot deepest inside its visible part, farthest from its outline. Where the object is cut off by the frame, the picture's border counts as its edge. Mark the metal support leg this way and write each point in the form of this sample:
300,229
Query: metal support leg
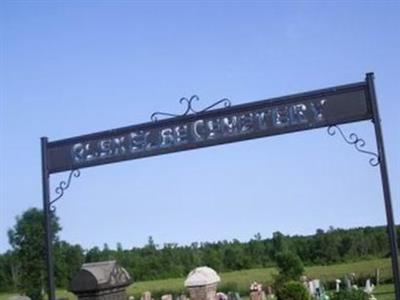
47,222
385,185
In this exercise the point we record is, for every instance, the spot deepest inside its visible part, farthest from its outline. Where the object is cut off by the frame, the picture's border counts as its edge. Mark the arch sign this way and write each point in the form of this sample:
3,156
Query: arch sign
212,126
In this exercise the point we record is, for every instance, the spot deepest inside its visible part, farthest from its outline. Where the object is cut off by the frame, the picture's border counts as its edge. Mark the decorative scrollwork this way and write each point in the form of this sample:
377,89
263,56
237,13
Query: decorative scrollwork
357,142
189,107
62,186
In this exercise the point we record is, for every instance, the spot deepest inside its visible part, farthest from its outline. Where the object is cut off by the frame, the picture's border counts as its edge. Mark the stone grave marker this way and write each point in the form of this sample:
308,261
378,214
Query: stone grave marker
104,280
202,283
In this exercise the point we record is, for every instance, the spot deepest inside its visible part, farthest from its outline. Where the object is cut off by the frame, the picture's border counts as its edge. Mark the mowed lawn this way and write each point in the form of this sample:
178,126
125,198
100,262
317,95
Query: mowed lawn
243,279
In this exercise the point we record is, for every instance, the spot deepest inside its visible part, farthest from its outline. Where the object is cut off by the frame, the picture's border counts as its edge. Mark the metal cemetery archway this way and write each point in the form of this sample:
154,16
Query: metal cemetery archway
208,127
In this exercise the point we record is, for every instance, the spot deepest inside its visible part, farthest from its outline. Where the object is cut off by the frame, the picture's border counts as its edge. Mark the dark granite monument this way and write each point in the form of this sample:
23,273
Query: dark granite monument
101,281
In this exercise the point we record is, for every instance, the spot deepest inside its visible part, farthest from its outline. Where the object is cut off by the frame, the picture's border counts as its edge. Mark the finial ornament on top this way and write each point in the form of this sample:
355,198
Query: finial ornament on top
189,107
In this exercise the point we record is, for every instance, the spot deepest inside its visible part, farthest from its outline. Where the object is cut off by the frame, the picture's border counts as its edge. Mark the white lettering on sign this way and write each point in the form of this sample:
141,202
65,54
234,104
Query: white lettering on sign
202,130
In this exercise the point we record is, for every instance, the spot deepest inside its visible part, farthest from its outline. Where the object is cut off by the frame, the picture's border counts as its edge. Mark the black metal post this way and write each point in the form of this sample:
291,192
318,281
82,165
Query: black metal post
47,221
385,185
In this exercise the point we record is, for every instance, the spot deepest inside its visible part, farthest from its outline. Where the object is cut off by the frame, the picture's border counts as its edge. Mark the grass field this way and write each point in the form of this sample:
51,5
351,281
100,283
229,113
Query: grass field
384,292
242,279
245,277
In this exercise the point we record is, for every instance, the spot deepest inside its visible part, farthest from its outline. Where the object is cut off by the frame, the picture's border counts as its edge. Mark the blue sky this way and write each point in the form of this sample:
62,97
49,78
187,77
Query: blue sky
75,67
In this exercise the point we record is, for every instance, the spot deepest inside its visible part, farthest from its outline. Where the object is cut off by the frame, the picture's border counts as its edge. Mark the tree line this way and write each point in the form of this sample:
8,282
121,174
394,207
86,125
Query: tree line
170,260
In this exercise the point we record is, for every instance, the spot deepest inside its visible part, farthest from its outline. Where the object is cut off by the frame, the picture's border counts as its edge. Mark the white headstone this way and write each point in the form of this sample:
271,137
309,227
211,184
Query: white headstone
369,287
166,297
338,281
202,276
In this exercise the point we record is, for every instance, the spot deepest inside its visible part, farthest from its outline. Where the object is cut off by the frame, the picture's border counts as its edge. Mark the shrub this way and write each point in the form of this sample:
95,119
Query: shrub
289,265
350,295
293,290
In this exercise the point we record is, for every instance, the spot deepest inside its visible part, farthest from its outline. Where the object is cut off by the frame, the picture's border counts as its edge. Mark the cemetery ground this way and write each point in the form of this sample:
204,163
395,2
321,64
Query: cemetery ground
241,280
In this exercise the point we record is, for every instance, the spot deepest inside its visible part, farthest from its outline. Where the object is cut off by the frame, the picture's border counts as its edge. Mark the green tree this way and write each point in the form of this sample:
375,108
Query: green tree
256,252
106,253
211,257
27,241
7,271
68,261
93,255
234,257
278,243
289,265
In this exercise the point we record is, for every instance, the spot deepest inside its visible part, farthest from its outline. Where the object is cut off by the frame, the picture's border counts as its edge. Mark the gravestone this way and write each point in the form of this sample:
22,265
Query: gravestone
104,280
221,296
256,291
146,295
369,287
257,295
202,283
166,297
269,289
347,282
338,281
377,276
233,296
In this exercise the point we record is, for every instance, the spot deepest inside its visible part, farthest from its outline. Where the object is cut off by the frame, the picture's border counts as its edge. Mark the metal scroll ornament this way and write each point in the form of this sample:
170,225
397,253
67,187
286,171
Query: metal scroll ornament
357,142
62,186
189,107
